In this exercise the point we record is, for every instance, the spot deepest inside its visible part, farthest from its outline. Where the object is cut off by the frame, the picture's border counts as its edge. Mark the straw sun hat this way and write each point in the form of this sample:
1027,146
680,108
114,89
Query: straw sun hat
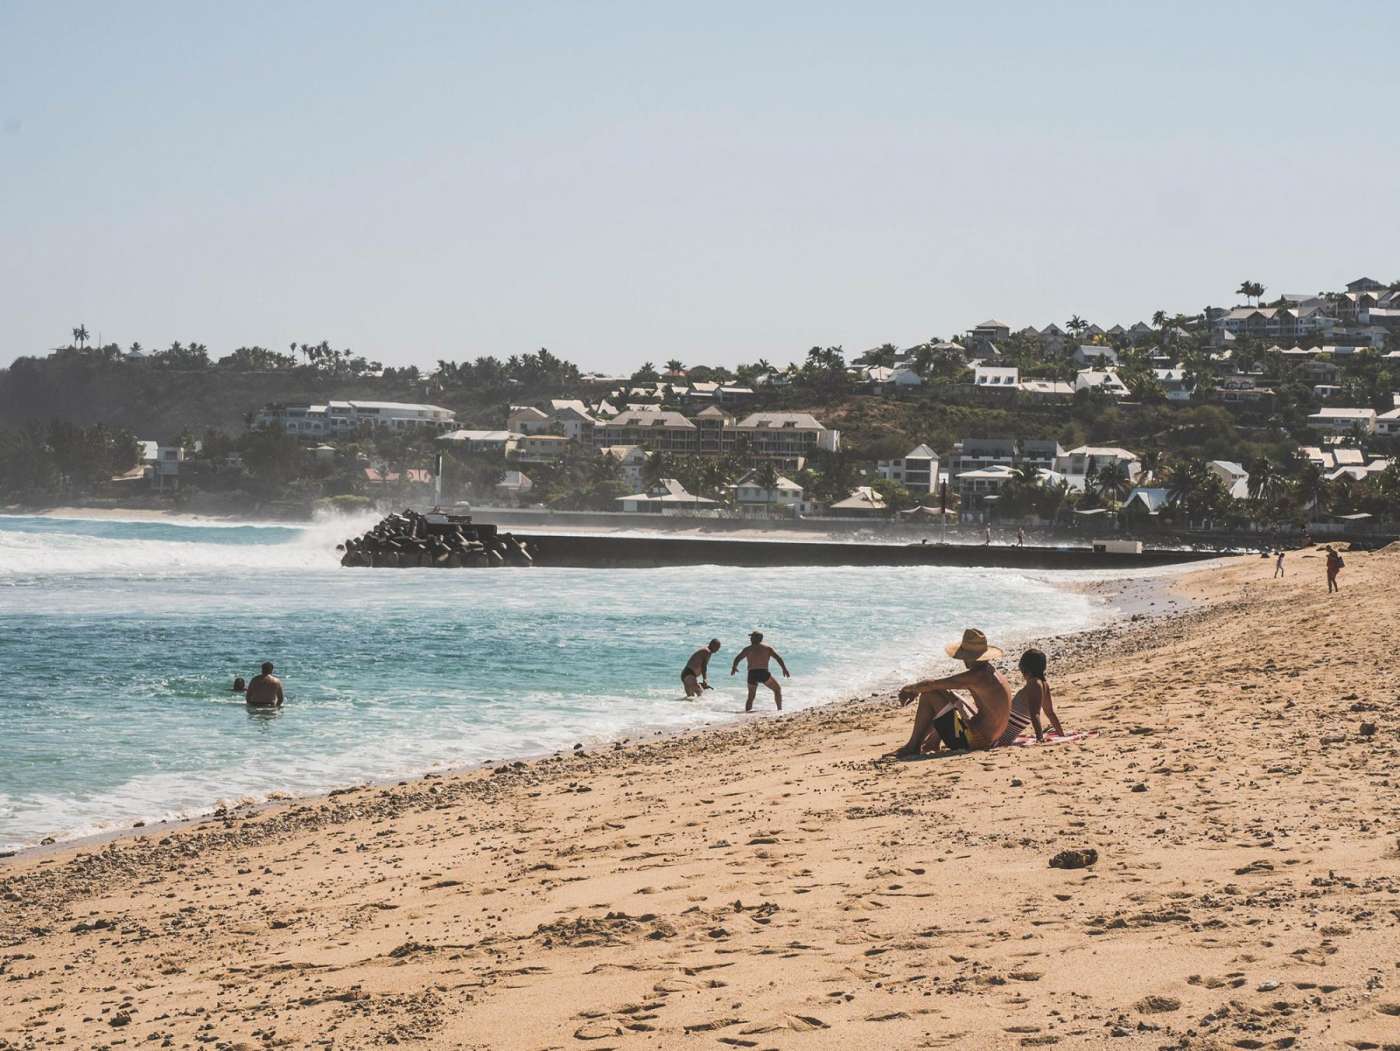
973,647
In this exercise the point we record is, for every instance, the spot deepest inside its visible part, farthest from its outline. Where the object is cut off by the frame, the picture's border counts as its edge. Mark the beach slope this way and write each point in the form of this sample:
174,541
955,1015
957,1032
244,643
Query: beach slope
779,885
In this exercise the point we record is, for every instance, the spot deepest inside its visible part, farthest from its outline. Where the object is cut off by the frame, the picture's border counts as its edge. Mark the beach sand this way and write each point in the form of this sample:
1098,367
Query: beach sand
778,885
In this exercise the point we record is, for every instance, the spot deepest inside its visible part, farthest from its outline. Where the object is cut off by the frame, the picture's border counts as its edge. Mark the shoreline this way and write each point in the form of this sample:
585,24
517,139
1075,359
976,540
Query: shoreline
1126,595
778,884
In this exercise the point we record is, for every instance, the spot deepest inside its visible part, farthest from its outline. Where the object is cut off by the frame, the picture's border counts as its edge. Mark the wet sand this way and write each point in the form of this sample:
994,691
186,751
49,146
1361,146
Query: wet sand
779,885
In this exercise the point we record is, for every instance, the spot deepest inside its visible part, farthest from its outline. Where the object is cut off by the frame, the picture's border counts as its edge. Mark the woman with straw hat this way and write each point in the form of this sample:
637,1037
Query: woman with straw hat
944,718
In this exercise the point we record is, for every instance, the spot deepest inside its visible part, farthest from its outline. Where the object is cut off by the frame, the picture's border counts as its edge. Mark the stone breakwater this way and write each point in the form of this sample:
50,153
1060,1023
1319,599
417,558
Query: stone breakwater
433,541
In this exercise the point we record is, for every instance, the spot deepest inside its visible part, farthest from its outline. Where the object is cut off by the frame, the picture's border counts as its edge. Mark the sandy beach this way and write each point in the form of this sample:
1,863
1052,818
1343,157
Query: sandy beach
780,885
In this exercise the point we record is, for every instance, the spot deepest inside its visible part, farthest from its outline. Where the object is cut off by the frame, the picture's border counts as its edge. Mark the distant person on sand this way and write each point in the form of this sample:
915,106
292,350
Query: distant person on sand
695,676
265,691
1278,564
240,685
1334,566
988,542
945,719
1020,538
758,655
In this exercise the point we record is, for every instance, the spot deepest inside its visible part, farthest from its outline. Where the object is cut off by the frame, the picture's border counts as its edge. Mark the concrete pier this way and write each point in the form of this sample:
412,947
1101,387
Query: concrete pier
643,552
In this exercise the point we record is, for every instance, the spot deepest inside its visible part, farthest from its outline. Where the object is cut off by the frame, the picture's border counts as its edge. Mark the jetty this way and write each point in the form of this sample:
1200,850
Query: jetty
445,540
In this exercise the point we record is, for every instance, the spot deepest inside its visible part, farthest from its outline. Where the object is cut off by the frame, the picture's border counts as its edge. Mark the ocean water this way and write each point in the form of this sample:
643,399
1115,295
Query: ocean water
119,642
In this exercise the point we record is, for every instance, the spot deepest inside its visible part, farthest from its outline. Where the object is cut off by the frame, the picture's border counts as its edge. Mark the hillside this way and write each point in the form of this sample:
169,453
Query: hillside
159,404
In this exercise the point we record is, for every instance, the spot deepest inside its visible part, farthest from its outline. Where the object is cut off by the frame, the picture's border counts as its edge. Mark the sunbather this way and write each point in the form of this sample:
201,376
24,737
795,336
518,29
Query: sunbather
945,719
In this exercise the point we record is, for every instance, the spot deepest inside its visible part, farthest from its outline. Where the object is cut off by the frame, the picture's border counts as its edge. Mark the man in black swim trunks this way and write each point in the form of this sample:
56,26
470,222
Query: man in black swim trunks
695,676
758,655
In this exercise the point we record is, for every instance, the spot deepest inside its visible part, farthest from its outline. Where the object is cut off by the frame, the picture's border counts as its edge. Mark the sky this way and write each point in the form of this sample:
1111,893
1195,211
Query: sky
714,182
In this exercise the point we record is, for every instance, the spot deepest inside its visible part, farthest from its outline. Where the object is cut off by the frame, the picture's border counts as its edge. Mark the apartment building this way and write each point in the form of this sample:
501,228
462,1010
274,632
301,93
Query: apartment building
657,430
917,470
346,417
1343,421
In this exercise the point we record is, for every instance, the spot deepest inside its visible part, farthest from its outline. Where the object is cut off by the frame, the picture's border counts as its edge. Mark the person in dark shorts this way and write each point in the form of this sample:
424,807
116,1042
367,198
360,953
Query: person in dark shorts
695,676
758,655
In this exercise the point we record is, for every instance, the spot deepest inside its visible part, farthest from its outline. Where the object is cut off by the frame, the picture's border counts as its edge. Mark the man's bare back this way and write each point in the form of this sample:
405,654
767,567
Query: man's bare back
265,690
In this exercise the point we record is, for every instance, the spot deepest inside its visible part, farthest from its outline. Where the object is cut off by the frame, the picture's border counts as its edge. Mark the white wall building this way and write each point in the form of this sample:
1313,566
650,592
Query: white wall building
346,417
917,471
1343,421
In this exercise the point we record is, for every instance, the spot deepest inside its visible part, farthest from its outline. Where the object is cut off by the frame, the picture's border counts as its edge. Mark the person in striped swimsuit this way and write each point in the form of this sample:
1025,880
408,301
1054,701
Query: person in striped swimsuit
1031,700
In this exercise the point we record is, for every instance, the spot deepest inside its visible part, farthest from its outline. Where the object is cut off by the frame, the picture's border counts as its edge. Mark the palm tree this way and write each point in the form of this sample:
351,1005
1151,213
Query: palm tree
1114,481
766,475
1076,324
1151,462
657,467
1250,290
1310,486
1185,483
1264,480
675,365
80,336
1159,319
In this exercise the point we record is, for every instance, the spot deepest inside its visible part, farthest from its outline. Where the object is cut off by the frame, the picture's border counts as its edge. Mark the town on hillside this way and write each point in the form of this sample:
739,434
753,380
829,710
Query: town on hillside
1264,418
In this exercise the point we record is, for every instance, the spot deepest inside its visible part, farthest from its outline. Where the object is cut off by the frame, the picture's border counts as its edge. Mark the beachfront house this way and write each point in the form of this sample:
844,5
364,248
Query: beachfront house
666,497
863,502
917,470
784,497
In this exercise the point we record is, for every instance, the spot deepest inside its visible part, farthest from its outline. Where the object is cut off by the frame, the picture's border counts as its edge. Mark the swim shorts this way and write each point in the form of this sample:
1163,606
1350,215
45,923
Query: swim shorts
759,675
951,730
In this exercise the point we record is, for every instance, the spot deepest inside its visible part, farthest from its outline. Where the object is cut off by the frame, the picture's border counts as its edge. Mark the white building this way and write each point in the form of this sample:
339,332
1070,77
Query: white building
1088,355
1233,476
630,460
917,471
1075,464
346,417
667,496
503,442
1343,421
1106,379
526,419
785,497
996,376
1388,422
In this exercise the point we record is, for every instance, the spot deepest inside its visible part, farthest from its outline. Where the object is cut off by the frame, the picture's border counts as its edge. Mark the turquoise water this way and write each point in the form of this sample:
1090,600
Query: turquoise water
119,641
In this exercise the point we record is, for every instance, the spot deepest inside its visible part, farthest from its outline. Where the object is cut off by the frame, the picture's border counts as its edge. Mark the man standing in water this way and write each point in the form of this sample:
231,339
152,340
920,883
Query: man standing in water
758,656
695,676
944,719
265,691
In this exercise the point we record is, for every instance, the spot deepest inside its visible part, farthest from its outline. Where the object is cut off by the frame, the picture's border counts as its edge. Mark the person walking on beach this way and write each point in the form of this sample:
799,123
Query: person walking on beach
758,655
1020,537
1334,566
944,718
695,676
988,541
1278,564
265,690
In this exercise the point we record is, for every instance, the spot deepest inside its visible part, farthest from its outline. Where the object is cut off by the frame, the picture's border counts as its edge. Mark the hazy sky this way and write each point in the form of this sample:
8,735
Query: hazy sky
715,182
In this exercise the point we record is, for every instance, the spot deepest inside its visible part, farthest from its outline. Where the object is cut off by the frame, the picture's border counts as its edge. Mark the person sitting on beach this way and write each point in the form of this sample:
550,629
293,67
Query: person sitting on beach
695,676
265,691
1034,697
944,718
240,685
758,656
